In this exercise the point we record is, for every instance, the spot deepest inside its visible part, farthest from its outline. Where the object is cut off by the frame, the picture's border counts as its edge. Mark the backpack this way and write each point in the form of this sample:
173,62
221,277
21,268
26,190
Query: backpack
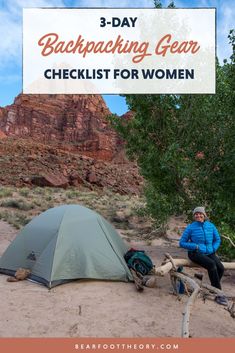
138,261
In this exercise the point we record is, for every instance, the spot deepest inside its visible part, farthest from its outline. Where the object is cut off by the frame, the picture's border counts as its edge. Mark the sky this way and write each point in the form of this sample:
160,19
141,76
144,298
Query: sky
11,37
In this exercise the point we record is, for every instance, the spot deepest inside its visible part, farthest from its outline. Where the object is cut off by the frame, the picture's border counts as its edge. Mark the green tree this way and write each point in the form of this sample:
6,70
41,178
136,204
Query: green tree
184,146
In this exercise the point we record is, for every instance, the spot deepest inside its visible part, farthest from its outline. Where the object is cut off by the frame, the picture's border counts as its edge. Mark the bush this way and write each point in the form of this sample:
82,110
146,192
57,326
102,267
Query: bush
227,249
72,194
19,204
24,192
5,192
16,219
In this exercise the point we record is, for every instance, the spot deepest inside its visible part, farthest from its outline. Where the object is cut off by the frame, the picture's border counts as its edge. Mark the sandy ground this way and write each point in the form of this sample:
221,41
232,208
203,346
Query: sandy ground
107,309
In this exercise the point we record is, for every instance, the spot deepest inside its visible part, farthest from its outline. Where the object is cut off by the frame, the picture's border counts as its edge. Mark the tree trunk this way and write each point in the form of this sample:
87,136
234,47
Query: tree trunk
166,267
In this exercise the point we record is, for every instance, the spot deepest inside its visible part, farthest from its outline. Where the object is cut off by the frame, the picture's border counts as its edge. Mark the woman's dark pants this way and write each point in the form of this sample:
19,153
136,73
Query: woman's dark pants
212,263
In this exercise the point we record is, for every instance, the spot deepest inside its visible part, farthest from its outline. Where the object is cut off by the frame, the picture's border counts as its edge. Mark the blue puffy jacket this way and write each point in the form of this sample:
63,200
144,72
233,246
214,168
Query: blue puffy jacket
201,235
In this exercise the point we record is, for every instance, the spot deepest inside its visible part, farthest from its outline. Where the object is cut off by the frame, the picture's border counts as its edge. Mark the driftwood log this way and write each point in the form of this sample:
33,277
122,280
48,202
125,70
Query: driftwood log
169,266
187,311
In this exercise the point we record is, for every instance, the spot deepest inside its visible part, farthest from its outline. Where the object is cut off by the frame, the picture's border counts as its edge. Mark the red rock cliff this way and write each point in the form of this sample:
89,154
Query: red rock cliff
75,122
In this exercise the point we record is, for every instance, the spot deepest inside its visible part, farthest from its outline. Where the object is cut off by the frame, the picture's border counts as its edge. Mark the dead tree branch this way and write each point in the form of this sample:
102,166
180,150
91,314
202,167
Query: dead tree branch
229,239
188,308
166,267
170,266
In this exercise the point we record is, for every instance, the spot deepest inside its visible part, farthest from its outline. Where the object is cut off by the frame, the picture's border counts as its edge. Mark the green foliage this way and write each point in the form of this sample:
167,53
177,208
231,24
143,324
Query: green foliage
72,194
48,198
158,4
5,192
24,192
19,204
227,249
16,219
184,146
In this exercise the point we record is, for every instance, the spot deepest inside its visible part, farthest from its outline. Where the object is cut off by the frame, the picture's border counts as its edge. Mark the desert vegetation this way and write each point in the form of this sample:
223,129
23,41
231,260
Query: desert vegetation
19,205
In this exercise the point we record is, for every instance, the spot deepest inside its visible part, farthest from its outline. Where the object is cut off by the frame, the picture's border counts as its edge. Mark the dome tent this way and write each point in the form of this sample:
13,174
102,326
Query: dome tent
65,243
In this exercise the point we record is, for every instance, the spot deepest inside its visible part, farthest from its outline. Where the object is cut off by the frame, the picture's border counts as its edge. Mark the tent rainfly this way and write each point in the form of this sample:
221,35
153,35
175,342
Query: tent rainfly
65,243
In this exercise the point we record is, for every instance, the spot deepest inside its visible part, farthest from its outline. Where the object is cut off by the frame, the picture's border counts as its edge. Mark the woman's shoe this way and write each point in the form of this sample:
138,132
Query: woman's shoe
221,299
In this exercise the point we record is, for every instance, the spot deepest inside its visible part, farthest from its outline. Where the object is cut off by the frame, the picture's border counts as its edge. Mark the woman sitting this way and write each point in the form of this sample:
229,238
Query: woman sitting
202,240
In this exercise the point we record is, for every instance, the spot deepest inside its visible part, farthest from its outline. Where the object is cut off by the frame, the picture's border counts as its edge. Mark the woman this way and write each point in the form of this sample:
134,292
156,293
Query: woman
202,240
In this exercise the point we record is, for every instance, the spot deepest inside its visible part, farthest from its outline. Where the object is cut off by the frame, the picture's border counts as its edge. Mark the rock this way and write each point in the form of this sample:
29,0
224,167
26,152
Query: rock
91,177
23,159
119,217
64,140
2,135
49,179
79,122
76,180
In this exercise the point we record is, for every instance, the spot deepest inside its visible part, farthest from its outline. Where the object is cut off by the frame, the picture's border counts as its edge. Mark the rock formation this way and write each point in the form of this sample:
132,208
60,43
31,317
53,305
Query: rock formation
78,122
25,162
63,140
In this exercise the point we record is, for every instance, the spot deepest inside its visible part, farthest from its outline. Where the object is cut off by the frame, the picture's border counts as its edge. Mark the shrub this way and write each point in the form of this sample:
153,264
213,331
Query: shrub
227,249
19,204
24,192
5,192
72,194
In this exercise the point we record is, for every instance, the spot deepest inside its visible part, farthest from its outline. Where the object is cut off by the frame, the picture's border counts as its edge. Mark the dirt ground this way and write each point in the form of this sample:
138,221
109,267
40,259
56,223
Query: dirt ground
107,309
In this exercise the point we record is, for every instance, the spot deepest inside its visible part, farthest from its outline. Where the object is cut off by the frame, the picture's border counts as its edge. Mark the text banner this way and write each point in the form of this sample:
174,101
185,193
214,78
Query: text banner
115,51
